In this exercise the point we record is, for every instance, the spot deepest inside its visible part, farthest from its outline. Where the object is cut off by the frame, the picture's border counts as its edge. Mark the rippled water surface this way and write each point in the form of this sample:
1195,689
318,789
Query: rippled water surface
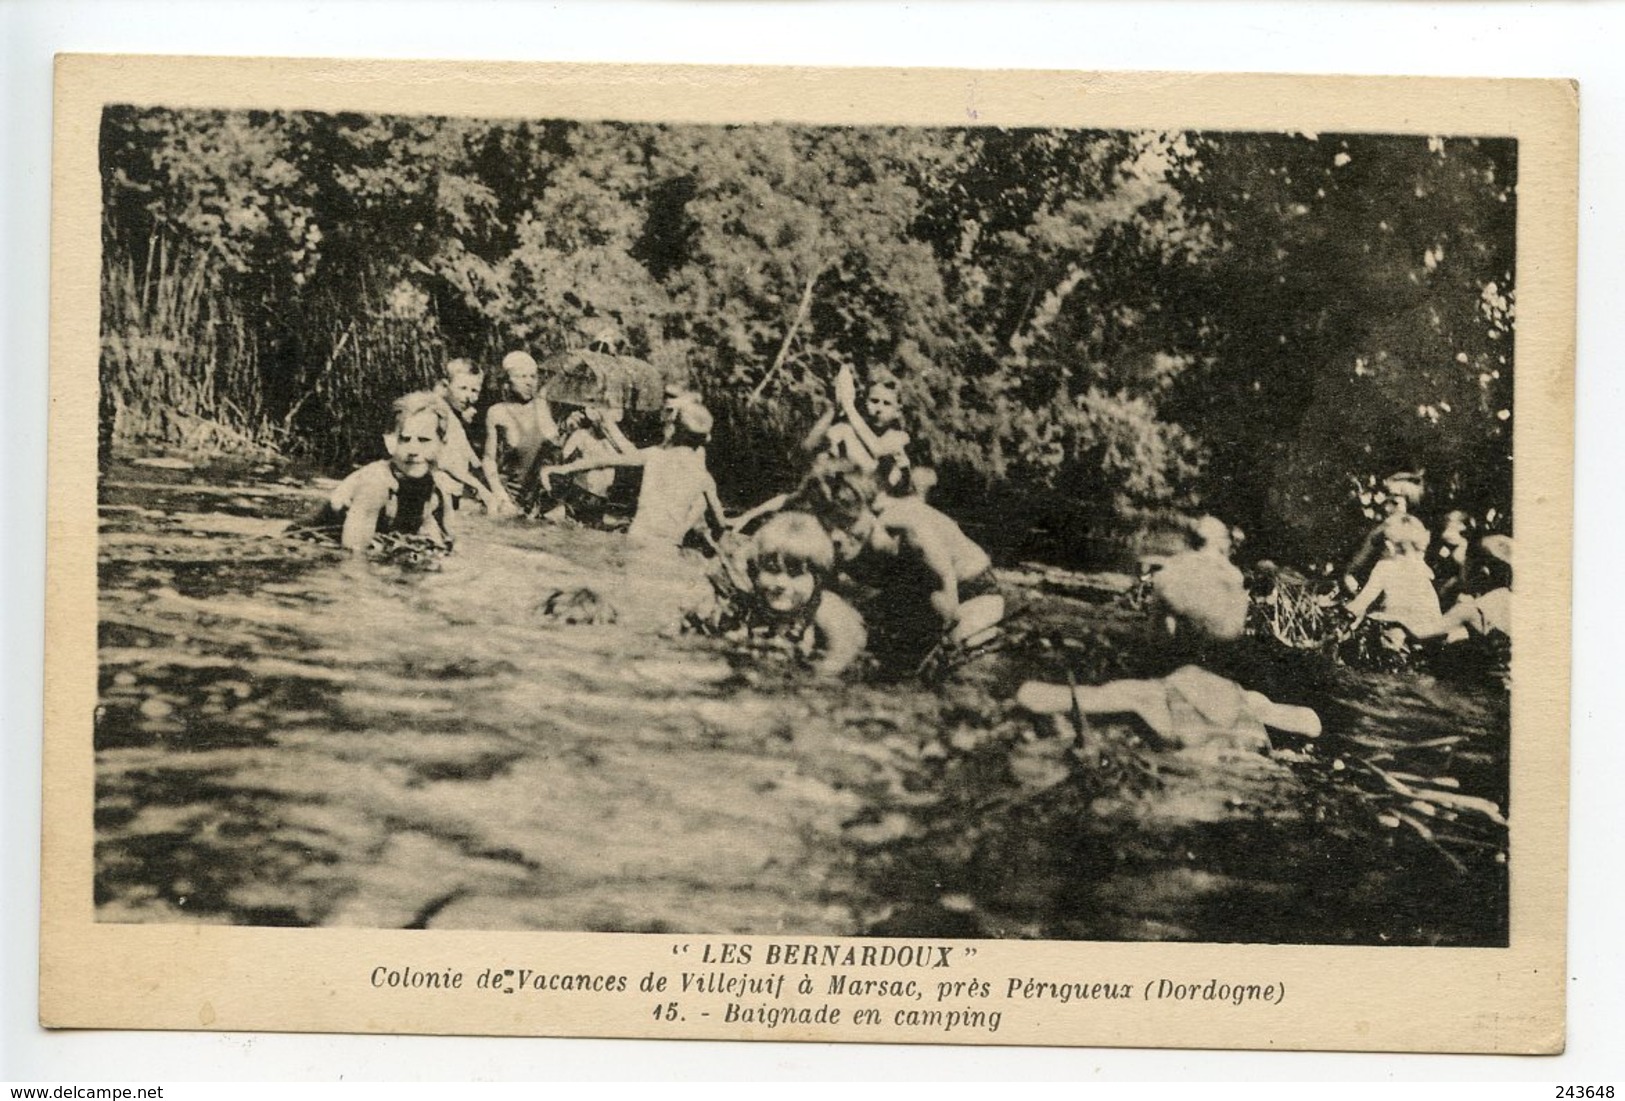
284,737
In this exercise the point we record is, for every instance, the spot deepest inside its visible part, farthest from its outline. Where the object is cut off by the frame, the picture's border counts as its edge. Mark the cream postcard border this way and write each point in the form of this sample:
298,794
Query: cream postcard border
1394,999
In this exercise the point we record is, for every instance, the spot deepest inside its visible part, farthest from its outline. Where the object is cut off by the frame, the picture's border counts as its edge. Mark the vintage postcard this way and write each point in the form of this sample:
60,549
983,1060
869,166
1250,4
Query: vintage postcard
907,556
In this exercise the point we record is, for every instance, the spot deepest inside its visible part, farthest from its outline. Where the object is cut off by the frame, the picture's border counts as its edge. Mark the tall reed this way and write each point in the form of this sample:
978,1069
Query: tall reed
179,361
343,409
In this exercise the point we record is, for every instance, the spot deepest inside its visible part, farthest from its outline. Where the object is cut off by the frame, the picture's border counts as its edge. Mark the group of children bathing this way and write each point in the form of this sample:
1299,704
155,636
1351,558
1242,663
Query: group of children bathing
860,508
857,532
1400,590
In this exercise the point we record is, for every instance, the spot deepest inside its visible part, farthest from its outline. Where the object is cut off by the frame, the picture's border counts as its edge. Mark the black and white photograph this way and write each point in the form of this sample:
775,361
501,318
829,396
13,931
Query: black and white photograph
922,533
896,531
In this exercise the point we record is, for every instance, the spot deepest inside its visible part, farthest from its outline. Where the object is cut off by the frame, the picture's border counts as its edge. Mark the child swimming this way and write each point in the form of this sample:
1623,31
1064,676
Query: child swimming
405,493
896,526
791,561
677,488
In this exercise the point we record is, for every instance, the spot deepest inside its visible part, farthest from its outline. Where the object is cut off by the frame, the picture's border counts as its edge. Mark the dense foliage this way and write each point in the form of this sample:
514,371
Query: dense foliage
1088,325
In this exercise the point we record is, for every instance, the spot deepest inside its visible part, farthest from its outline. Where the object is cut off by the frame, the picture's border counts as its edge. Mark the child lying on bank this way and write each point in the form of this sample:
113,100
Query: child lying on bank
789,603
405,494
1190,708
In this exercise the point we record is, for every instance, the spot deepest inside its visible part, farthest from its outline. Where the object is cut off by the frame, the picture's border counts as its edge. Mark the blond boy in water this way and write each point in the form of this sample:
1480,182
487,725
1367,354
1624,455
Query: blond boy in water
898,524
405,493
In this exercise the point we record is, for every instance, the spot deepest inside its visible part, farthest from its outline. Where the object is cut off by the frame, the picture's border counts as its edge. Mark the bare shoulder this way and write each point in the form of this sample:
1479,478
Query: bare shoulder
839,623
833,610
912,516
370,485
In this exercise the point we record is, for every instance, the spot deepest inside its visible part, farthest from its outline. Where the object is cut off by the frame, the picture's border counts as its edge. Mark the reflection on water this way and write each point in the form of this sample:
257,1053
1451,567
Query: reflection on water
287,738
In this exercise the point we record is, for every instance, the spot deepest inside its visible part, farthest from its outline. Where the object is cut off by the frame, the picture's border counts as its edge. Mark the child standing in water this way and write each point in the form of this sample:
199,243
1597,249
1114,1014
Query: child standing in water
516,431
405,493
460,387
589,433
677,488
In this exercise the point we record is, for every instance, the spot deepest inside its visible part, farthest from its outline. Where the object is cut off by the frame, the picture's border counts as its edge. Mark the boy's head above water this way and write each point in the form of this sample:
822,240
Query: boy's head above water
522,373
463,383
841,496
690,424
790,557
418,433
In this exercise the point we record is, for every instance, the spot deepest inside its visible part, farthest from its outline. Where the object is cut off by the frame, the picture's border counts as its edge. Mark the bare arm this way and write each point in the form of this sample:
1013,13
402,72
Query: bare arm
714,504
494,420
599,462
1369,548
815,438
772,504
841,635
470,476
500,501
935,554
361,518
1368,595
612,432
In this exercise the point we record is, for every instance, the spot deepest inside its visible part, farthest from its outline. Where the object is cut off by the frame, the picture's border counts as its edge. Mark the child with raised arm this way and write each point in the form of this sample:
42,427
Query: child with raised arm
516,431
405,493
460,387
677,488
875,444
862,438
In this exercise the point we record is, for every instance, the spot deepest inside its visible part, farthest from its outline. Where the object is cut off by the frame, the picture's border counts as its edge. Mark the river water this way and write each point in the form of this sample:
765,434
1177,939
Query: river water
285,737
